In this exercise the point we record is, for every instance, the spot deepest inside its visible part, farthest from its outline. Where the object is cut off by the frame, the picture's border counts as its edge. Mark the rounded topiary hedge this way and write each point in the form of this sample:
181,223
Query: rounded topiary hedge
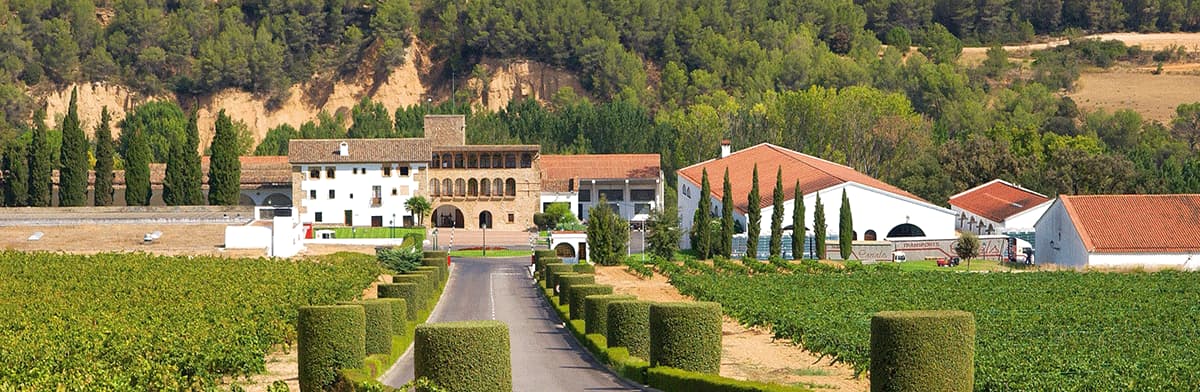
422,283
595,311
584,268
552,271
328,338
378,328
545,254
435,271
464,355
436,254
406,291
540,263
922,351
686,335
566,281
580,292
399,313
437,262
629,327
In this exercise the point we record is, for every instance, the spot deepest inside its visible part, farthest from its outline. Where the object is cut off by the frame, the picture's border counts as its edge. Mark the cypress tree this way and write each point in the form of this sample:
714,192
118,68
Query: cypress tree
104,161
845,228
16,175
39,162
224,170
173,184
726,245
754,215
777,215
73,177
137,168
193,179
798,229
819,228
702,241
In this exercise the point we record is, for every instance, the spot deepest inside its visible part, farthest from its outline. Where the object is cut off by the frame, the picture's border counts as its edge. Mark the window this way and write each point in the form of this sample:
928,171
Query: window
433,187
510,187
585,196
459,161
394,192
312,194
485,161
329,170
318,217
687,192
403,170
526,160
473,187
641,194
314,173
641,208
437,160
331,194
351,195
387,170
512,217
460,187
485,187
510,161
613,194
354,170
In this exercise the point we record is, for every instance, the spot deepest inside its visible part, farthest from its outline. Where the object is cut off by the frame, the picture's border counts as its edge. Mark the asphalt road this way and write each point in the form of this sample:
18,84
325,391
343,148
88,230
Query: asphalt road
545,357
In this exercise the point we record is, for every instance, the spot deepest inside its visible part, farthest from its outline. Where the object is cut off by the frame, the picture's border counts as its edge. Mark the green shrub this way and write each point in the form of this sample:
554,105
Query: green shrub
629,327
923,351
378,328
436,254
441,266
545,254
400,260
567,281
435,271
584,268
686,335
552,271
595,311
580,292
424,291
637,267
329,338
279,386
409,292
540,265
671,379
464,355
628,366
399,314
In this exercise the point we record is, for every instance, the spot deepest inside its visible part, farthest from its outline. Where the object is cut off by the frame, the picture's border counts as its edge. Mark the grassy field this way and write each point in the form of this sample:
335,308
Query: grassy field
931,265
376,232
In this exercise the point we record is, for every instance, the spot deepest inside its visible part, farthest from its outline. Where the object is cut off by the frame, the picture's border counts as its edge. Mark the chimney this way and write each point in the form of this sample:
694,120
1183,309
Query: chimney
344,149
726,148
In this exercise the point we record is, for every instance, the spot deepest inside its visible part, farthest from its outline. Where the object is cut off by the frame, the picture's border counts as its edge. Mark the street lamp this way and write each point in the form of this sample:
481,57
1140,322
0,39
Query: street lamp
393,225
483,225
435,246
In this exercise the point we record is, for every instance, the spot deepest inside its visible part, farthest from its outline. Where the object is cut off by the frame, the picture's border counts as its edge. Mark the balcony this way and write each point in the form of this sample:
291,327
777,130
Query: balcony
376,202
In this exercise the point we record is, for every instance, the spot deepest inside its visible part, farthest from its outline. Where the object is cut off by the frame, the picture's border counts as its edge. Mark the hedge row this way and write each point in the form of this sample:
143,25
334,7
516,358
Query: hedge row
439,277
595,311
378,328
552,272
579,292
328,338
399,313
440,263
471,356
686,335
923,351
436,254
541,263
671,379
409,292
629,327
545,254
584,268
566,281
424,291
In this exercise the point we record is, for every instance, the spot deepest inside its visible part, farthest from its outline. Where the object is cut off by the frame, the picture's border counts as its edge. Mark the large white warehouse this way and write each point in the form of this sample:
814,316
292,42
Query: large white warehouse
1121,231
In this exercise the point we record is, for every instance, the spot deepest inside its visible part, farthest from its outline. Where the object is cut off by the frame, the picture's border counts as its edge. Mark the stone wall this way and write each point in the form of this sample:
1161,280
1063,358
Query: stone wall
446,130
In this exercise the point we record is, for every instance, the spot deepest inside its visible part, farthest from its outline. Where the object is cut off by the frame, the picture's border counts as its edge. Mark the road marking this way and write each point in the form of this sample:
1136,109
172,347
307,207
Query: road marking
492,291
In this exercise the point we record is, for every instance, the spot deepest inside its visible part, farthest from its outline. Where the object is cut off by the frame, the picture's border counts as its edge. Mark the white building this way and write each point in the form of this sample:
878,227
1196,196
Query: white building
998,207
1121,231
632,184
880,210
357,181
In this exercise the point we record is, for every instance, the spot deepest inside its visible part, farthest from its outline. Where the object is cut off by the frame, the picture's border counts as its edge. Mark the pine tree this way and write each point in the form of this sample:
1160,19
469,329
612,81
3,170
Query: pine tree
702,241
726,245
73,177
39,162
819,228
224,170
607,234
16,175
798,229
845,228
777,211
193,179
104,161
137,168
754,215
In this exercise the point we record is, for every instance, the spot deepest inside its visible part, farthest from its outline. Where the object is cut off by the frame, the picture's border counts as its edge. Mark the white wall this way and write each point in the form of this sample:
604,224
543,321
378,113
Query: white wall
248,237
1185,261
1057,241
1025,220
688,198
346,184
965,225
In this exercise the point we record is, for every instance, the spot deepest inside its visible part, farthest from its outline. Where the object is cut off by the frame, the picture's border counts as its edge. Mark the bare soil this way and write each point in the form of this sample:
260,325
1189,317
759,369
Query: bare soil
1154,96
177,239
747,353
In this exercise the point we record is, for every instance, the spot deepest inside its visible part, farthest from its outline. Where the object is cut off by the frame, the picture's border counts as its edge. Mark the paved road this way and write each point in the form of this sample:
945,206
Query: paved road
545,357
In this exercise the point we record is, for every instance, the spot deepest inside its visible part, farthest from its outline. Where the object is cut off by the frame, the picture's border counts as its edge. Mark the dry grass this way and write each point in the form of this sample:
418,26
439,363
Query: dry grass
1154,96
177,239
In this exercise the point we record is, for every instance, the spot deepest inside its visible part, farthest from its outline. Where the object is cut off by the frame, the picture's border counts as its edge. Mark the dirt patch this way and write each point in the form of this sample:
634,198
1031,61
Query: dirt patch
1154,96
177,239
747,353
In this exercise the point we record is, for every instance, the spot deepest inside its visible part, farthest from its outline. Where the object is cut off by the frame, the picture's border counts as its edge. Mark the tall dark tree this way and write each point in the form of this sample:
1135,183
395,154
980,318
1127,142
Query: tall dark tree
754,217
702,241
225,171
819,228
105,157
726,241
173,184
845,228
777,211
16,174
607,234
73,177
39,162
193,177
798,229
137,166
663,239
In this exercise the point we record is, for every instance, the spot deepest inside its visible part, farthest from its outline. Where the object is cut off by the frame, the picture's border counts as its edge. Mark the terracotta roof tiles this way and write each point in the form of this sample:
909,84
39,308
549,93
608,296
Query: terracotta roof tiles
359,150
997,200
558,170
1136,223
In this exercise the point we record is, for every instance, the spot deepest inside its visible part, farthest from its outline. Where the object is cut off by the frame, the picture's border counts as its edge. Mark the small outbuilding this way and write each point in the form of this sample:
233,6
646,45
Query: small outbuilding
1121,231
997,207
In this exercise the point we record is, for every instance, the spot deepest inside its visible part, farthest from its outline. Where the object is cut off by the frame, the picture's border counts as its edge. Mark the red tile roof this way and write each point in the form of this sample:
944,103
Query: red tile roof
1136,223
558,170
997,200
814,174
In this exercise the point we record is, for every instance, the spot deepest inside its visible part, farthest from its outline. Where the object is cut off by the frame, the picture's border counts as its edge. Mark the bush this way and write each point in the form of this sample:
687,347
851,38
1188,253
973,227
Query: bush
329,338
899,38
595,311
436,254
435,271
399,314
637,267
409,292
464,355
552,271
853,266
686,335
400,260
671,379
545,254
628,366
378,327
540,264
440,264
544,221
584,268
579,293
923,351
567,281
424,292
279,386
724,264
629,327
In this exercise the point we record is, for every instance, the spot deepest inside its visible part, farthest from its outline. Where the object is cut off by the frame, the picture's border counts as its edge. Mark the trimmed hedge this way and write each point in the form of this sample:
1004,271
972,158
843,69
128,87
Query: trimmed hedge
584,268
545,254
540,263
435,271
378,328
329,338
464,355
923,351
399,314
423,287
436,254
552,271
409,292
595,311
567,281
628,366
671,379
439,263
686,335
580,292
629,327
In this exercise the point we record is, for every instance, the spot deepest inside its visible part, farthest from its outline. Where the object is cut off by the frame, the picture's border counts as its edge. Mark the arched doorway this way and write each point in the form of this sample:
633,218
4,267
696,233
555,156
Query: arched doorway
278,200
869,235
244,200
905,230
564,250
448,216
485,219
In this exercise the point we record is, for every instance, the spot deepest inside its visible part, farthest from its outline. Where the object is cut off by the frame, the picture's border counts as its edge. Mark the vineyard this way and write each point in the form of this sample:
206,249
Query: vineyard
140,322
1044,331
